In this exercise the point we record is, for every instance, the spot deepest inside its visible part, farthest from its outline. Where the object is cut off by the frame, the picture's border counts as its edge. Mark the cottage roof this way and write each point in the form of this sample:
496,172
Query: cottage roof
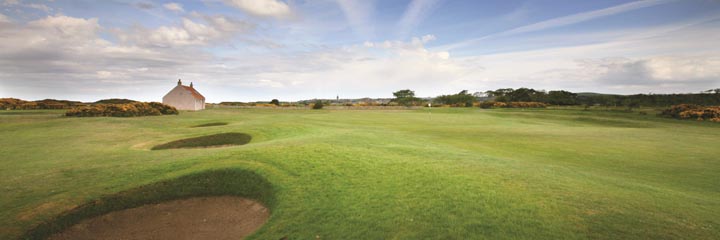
194,93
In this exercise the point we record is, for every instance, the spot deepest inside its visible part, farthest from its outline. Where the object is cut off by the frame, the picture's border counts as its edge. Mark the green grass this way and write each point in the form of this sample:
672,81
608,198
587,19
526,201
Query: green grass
212,124
372,174
215,140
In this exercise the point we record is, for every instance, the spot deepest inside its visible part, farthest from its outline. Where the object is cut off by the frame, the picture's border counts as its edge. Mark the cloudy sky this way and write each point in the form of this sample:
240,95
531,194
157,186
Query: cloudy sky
250,50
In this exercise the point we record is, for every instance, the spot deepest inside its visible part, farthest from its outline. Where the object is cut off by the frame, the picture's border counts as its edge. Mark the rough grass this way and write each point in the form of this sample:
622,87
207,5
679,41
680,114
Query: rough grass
211,124
222,139
233,182
396,174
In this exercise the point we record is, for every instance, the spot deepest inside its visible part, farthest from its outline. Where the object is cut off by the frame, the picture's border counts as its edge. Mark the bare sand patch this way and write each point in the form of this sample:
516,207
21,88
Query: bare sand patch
194,218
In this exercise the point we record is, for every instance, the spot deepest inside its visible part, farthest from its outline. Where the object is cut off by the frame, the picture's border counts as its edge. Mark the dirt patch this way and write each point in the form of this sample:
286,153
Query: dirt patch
194,218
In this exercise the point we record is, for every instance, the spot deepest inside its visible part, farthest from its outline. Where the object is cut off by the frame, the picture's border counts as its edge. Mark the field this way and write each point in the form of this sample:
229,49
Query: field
391,174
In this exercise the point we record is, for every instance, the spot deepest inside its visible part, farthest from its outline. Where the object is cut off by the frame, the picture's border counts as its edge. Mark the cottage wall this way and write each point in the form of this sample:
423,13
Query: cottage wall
182,99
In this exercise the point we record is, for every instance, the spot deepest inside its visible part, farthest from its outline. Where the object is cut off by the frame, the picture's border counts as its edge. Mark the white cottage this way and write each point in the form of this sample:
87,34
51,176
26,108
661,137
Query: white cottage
184,98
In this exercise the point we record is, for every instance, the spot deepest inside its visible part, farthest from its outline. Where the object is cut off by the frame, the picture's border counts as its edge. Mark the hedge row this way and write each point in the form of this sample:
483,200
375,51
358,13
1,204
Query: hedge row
691,111
489,104
135,109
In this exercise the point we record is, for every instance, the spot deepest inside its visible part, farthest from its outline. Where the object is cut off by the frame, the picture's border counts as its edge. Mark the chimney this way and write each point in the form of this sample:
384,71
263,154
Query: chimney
190,84
179,82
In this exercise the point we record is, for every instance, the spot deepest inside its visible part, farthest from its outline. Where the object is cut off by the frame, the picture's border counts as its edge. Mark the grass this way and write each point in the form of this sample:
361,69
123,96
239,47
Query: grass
224,182
215,140
213,124
395,174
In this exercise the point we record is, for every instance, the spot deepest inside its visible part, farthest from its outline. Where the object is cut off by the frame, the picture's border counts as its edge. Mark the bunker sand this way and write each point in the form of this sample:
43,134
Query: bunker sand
194,218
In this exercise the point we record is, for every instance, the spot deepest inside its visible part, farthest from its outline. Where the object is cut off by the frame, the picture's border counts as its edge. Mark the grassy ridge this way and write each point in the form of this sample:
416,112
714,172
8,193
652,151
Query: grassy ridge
220,139
449,174
234,182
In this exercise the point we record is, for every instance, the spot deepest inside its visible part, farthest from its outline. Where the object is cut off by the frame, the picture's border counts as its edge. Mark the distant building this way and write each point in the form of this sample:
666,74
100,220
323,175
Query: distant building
184,98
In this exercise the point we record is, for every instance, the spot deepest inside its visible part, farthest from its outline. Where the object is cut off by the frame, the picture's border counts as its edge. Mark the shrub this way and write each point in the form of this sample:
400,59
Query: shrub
135,109
275,101
526,105
690,111
489,104
318,105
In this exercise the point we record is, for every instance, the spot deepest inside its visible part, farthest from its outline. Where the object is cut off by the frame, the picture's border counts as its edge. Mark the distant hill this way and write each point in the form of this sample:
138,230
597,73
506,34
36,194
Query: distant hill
19,104
115,101
592,94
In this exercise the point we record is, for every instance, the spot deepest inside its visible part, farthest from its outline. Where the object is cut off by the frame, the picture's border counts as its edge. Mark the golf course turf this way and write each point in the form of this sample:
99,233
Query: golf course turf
454,173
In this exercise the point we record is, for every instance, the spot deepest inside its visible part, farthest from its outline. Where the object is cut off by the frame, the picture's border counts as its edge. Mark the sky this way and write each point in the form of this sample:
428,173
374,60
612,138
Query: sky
257,50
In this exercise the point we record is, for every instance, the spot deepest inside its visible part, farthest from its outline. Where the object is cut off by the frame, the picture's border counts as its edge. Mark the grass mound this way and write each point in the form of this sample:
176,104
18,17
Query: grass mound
221,139
224,182
211,124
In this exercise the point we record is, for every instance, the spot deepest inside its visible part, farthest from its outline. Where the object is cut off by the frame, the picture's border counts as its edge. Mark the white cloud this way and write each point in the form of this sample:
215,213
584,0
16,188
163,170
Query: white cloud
64,27
11,2
268,8
415,13
38,6
585,16
175,7
65,57
190,33
16,3
658,60
4,19
566,20
359,15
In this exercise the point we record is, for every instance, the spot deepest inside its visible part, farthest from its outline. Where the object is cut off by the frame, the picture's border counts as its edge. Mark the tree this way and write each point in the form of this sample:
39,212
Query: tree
630,104
318,105
463,98
405,97
275,101
522,95
561,98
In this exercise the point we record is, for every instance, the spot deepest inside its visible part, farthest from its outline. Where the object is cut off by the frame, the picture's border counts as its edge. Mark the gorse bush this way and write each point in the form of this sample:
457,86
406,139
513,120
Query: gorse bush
691,111
135,109
18,104
489,104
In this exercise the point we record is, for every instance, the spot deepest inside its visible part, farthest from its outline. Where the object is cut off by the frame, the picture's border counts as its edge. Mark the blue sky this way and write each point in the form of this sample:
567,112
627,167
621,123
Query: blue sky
254,50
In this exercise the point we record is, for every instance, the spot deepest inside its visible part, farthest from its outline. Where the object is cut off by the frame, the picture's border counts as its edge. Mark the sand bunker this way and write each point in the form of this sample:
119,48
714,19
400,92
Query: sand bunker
215,140
194,218
210,124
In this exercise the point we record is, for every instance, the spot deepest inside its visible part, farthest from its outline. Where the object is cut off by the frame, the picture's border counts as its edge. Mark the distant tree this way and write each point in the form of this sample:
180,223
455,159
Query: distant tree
405,97
561,98
318,104
463,98
522,95
630,103
275,101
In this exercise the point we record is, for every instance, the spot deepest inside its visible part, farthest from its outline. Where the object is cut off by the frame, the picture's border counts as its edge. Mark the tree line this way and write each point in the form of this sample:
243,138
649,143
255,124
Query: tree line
711,97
